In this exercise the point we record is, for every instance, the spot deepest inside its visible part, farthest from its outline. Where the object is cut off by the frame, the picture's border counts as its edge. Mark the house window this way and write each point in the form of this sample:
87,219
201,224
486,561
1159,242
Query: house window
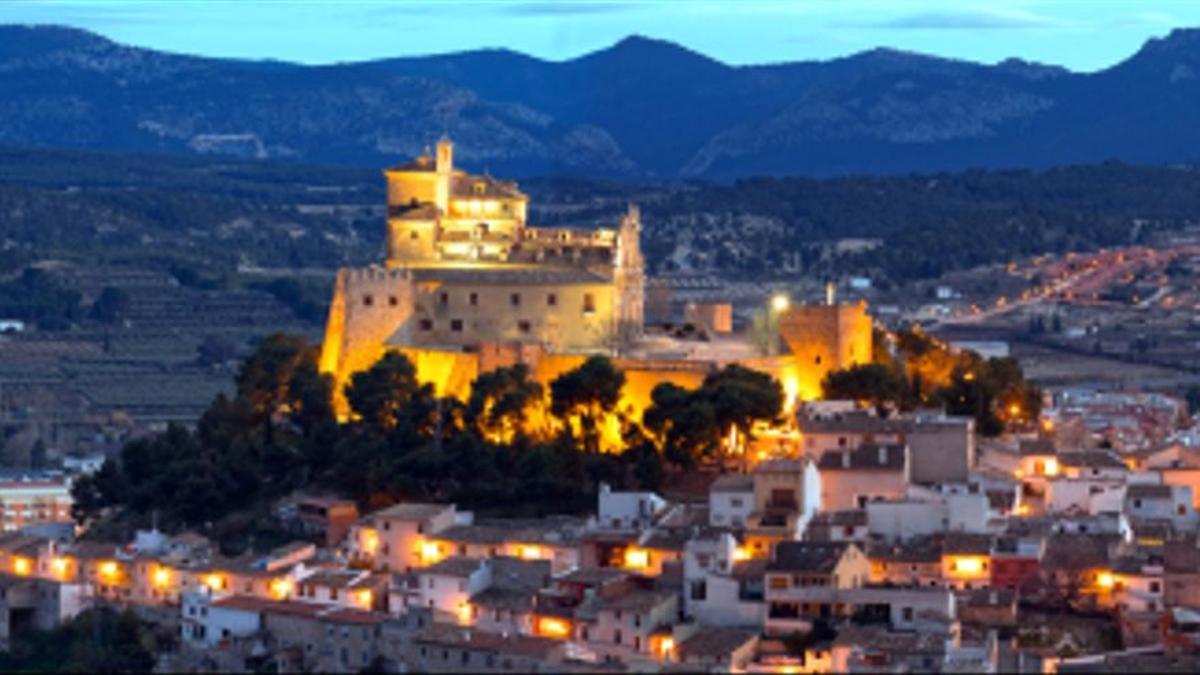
444,299
524,327
1137,503
425,325
552,299
736,502
1155,587
456,325
368,300
907,613
699,590
616,637
514,299
589,303
473,299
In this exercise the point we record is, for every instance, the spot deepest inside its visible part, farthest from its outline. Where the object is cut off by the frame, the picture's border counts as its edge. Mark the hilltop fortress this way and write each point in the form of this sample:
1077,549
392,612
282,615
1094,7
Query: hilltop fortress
468,286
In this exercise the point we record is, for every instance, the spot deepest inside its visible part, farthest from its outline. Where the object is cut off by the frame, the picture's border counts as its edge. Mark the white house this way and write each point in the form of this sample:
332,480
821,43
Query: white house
730,500
627,510
447,586
206,622
1161,502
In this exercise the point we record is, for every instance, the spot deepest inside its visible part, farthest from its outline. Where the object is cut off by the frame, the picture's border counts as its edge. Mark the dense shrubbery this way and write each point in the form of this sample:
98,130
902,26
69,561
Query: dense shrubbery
507,450
100,640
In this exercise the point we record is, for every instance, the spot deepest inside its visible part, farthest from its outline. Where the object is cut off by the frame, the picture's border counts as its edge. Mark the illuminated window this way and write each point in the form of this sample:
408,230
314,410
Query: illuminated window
456,325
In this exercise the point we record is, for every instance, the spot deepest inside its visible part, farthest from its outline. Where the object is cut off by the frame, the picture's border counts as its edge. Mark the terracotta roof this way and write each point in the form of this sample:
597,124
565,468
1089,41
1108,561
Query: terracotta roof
1075,551
866,457
466,185
455,566
806,556
733,482
1092,459
1139,491
708,643
474,534
474,639
422,163
411,511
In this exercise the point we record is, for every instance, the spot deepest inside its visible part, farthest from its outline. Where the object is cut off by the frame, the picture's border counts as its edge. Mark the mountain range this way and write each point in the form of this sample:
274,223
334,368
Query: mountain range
641,109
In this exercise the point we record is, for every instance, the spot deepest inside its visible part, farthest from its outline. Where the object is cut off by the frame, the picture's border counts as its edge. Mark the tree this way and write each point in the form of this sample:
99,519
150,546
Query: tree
585,395
872,383
502,402
265,378
383,396
98,640
111,305
741,397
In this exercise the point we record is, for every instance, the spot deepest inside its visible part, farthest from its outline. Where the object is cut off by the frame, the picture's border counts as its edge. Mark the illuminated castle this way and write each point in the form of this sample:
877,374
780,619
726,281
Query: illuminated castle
468,286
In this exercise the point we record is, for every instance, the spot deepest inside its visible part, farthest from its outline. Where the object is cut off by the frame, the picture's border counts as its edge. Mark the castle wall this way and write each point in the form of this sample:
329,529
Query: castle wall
561,326
405,186
410,240
370,306
823,338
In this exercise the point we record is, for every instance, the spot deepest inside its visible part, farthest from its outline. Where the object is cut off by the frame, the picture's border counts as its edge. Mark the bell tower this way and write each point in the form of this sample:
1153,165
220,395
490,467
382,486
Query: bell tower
445,169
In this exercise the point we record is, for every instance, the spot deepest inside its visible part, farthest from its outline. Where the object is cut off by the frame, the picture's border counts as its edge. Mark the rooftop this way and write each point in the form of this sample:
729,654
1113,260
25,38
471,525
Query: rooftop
806,556
733,482
709,643
411,511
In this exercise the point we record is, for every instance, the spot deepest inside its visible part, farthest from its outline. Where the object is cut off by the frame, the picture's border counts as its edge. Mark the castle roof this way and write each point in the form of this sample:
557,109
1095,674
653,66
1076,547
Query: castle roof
467,185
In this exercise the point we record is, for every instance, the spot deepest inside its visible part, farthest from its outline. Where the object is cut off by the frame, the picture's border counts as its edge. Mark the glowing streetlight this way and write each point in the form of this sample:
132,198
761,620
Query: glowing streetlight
780,303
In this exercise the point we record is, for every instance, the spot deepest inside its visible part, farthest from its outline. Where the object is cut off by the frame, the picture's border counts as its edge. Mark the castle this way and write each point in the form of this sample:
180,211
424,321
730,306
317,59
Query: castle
468,286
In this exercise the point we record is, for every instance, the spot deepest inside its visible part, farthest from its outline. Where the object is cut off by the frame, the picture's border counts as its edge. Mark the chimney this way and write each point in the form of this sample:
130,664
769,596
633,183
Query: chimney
830,294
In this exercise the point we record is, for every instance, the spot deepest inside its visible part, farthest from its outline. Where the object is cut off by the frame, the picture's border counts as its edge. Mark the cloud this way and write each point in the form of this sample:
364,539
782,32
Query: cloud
540,8
967,20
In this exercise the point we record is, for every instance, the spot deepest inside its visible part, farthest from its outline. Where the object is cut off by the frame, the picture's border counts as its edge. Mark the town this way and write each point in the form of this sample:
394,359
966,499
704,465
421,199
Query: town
514,452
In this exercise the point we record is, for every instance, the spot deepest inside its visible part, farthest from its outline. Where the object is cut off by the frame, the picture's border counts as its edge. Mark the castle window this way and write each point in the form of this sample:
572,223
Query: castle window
818,360
456,325
413,235
425,324
444,299
589,303
368,300
474,299
393,300
515,299
524,327
551,299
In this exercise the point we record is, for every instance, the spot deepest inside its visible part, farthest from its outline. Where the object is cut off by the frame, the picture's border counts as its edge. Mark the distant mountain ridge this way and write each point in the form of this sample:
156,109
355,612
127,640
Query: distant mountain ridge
642,108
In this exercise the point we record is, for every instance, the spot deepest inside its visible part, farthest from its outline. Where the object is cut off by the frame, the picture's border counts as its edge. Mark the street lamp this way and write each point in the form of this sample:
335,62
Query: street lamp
780,303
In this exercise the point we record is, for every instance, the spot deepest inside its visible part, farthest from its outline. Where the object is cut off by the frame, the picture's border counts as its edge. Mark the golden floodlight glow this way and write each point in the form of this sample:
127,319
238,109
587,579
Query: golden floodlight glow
637,558
281,588
109,570
780,303
1105,580
530,553
213,581
22,566
60,566
162,577
741,553
365,598
464,613
1052,467
370,541
967,565
552,627
430,553
666,647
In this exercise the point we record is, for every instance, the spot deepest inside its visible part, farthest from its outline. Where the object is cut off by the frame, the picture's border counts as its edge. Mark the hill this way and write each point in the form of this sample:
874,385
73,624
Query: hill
640,109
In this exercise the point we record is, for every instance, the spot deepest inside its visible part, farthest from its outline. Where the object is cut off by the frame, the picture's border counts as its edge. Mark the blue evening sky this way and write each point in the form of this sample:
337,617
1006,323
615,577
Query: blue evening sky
1080,34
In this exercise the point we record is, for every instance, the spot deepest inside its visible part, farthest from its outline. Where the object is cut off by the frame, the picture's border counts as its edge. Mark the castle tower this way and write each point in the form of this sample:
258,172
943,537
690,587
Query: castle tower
444,169
629,275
